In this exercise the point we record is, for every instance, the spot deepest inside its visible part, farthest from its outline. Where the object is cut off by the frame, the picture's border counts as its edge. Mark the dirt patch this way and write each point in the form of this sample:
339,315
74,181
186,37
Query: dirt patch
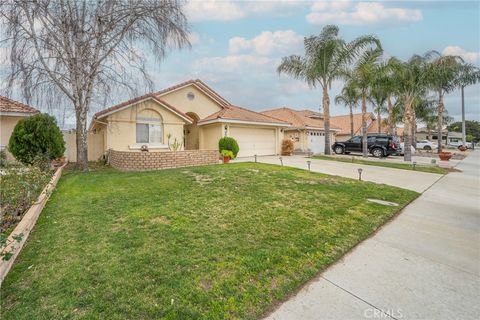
160,220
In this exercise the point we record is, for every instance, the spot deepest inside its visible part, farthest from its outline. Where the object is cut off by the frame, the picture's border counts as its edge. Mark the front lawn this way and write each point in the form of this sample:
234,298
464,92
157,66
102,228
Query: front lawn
215,242
378,163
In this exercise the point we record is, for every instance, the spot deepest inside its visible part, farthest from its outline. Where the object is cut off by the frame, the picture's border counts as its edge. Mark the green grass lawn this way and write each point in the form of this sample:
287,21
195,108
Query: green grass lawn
395,165
215,242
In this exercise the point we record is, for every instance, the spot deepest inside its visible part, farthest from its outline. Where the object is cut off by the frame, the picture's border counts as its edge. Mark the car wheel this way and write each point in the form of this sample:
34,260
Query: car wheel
377,153
338,150
428,148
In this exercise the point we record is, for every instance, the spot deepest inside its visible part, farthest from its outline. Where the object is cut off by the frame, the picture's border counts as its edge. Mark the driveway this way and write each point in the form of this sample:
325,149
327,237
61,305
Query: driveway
407,179
425,264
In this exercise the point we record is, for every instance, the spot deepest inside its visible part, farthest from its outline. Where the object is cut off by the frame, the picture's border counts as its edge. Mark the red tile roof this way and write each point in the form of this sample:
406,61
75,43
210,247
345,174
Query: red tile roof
232,112
298,118
9,105
343,122
138,99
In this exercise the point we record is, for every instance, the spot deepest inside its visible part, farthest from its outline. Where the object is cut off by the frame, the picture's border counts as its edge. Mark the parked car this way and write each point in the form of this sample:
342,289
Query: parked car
426,145
379,145
402,149
456,143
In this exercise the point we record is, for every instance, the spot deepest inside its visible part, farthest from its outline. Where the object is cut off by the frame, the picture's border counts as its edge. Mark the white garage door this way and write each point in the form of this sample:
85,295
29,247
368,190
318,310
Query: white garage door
316,141
254,141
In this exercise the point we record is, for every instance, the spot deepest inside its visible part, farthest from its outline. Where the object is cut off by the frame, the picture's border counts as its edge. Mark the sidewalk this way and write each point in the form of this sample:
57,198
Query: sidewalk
425,264
407,179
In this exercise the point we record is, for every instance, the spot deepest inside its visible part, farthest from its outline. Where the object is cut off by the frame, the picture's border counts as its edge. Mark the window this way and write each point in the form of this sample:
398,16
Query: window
148,133
356,140
371,139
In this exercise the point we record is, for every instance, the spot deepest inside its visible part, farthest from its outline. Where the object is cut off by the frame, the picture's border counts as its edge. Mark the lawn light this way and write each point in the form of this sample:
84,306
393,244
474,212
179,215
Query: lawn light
414,163
434,161
308,163
353,159
281,160
360,174
255,158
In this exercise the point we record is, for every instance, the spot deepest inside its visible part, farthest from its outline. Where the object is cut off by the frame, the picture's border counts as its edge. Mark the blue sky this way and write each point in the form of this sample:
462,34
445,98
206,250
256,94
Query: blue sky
236,46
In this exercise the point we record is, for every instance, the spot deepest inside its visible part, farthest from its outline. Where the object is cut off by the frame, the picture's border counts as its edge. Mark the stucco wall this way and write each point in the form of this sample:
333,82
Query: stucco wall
201,104
95,143
121,128
209,136
7,123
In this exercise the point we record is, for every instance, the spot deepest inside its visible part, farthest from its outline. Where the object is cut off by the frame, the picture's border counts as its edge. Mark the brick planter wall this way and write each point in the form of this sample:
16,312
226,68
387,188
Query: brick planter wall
142,161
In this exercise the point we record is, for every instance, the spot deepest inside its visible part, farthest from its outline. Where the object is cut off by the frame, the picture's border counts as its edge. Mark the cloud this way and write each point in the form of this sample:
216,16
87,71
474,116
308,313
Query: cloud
347,12
229,10
267,42
470,56
234,63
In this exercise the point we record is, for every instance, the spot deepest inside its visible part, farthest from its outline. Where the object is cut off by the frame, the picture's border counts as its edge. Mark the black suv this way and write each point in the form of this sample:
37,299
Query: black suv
379,145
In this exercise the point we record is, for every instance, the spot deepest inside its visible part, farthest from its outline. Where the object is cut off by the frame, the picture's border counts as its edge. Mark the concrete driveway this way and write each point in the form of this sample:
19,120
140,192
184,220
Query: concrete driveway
425,264
413,180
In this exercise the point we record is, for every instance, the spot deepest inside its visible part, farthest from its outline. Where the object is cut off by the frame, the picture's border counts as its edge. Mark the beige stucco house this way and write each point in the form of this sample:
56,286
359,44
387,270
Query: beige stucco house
191,114
307,130
10,113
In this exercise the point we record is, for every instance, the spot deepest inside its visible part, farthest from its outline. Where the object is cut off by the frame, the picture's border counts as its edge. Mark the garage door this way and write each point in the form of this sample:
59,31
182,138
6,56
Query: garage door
254,141
316,141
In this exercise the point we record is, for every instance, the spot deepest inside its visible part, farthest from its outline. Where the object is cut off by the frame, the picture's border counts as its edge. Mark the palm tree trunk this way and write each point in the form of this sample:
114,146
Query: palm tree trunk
364,125
379,119
351,121
326,116
414,128
407,120
440,111
391,126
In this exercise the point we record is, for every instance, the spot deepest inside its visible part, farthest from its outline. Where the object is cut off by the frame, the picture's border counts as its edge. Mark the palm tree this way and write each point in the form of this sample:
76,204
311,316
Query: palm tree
412,80
326,57
363,77
378,97
443,72
467,75
386,81
350,98
423,110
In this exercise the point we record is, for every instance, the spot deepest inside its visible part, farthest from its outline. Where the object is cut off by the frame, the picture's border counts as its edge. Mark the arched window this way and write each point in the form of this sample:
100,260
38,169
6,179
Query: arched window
149,127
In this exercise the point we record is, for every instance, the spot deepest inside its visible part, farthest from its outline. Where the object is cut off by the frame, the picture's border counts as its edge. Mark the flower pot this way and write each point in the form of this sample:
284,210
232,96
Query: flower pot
226,159
462,148
445,156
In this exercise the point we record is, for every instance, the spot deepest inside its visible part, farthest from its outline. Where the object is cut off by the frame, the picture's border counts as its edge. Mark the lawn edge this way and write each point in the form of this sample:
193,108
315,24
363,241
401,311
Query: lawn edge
320,272
26,225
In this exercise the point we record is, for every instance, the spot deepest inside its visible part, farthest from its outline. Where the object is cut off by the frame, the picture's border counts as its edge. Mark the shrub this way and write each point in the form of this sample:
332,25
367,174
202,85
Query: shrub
287,147
228,143
36,137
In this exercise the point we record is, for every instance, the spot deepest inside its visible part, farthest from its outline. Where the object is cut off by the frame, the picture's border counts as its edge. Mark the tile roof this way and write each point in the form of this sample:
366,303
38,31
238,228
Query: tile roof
298,118
9,105
138,99
232,112
343,122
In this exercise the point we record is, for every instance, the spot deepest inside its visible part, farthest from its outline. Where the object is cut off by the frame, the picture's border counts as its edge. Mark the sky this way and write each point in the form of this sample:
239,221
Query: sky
236,46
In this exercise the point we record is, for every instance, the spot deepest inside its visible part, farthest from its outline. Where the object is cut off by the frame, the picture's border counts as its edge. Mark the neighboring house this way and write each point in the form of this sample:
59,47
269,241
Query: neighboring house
307,130
191,114
10,113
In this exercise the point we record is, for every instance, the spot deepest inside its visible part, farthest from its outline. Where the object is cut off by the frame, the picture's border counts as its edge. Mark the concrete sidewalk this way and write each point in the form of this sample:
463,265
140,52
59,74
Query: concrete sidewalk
407,179
425,264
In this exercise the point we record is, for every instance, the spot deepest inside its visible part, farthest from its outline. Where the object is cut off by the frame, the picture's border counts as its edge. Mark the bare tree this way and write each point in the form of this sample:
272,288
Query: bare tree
84,50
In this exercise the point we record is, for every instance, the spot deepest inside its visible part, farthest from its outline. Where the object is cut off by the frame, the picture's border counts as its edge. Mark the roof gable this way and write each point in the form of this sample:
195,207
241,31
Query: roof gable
299,118
139,99
197,83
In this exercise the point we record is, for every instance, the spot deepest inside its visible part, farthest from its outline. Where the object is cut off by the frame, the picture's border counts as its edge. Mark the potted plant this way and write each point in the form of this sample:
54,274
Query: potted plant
445,156
227,155
462,148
